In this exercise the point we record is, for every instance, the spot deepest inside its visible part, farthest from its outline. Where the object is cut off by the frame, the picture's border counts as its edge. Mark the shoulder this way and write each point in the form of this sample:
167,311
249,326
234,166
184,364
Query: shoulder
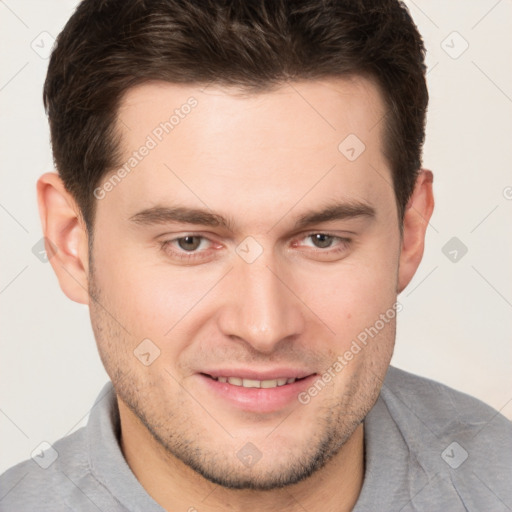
45,481
454,437
443,407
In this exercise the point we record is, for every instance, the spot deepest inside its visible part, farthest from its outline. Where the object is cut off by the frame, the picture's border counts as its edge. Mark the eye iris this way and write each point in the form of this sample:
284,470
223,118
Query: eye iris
323,240
187,243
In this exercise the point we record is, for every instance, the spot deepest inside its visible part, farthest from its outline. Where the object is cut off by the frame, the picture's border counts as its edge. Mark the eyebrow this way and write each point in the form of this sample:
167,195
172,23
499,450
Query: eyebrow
337,211
164,215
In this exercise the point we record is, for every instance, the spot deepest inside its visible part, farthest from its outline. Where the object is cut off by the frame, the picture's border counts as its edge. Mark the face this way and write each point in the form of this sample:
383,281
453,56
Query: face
203,319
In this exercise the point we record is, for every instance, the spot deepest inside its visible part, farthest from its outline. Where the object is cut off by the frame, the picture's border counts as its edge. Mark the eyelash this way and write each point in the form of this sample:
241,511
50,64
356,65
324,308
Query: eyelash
189,256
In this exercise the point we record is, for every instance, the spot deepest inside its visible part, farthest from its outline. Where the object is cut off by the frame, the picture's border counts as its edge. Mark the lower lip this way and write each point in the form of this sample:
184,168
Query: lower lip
262,400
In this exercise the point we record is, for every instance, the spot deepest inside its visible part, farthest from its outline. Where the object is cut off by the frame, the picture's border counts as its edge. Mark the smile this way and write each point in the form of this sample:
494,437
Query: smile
252,383
270,393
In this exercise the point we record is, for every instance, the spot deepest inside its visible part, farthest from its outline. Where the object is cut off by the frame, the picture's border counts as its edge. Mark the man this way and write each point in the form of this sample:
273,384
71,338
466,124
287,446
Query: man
240,201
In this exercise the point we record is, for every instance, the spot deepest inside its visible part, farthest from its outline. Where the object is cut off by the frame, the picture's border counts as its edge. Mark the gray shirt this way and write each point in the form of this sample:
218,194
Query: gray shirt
427,448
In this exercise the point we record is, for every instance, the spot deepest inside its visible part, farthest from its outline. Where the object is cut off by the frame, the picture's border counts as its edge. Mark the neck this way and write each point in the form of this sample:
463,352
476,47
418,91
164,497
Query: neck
175,486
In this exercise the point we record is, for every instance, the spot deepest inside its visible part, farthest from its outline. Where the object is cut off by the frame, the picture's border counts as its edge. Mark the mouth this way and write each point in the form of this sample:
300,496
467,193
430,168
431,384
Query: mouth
270,393
254,383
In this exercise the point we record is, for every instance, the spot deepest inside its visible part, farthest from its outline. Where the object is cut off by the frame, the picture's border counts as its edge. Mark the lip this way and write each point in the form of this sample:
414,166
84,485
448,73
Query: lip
250,373
258,400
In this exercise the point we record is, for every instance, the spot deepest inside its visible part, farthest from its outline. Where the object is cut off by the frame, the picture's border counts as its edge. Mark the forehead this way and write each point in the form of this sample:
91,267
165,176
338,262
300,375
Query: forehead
309,111
217,147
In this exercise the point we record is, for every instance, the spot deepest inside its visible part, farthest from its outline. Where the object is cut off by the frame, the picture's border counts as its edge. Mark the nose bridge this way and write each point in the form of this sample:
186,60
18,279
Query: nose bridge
261,309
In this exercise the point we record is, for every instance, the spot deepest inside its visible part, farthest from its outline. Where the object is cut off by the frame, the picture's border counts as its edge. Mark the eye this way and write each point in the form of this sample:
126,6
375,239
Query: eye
322,240
189,243
326,245
326,240
186,247
190,247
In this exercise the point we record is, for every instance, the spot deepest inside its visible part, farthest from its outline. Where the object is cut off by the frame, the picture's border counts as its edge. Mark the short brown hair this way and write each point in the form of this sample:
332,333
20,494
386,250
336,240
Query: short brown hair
109,46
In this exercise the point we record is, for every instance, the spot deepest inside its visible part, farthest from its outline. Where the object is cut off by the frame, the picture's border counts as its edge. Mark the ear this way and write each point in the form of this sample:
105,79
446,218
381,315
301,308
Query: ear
416,218
65,236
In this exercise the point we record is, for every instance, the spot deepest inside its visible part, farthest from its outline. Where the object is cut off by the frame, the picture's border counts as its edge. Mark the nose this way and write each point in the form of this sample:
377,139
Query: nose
261,307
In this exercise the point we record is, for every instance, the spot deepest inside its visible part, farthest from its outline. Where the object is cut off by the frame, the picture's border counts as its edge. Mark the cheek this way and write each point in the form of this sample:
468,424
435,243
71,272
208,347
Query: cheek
134,291
354,293
154,300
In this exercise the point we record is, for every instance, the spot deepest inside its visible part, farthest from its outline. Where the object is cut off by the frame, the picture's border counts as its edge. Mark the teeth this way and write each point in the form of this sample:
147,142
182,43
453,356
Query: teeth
252,383
249,383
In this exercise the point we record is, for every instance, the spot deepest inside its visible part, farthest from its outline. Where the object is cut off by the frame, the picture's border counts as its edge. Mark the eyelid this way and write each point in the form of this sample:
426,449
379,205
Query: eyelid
185,256
170,241
342,240
299,236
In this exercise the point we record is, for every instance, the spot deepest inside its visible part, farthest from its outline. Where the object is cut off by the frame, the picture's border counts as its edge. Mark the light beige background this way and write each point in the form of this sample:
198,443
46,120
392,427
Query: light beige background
456,322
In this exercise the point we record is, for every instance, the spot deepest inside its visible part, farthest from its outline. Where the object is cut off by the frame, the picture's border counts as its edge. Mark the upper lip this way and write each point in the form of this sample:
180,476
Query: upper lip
271,374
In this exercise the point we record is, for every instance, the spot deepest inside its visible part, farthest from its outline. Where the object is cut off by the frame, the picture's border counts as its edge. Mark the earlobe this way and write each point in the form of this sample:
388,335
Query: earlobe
416,218
65,236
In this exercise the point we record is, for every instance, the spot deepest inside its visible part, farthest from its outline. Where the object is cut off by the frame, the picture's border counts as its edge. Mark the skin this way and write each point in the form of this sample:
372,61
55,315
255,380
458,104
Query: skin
262,161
